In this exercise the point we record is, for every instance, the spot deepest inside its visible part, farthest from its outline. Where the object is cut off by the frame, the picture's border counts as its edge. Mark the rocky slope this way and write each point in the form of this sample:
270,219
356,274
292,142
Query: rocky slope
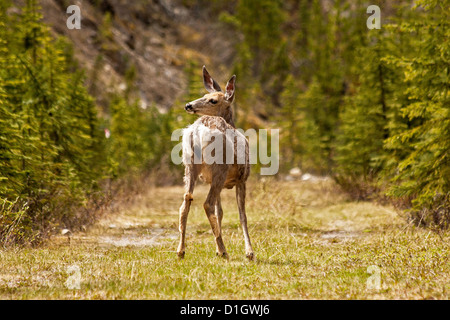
158,38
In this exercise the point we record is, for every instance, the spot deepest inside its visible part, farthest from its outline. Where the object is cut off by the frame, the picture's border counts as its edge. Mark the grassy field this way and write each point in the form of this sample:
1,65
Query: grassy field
310,243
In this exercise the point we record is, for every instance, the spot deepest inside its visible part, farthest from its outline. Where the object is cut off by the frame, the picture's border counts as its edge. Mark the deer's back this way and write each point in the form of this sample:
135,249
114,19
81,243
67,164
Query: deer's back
198,136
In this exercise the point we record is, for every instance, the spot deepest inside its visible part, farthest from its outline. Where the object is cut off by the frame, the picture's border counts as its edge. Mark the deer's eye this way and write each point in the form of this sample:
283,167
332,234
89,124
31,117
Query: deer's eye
213,101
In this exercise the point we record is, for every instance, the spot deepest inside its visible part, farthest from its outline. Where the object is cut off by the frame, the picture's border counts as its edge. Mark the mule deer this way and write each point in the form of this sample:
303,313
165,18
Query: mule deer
216,119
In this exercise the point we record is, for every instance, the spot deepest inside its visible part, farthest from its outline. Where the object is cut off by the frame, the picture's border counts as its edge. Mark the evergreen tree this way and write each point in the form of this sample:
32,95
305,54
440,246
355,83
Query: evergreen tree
364,122
261,63
424,171
49,133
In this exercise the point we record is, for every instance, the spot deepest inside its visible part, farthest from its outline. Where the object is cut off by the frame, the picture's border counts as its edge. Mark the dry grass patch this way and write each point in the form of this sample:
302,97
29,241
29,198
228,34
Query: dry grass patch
310,243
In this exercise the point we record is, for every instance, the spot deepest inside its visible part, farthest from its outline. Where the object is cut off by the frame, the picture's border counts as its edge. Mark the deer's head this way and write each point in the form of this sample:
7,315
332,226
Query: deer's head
215,102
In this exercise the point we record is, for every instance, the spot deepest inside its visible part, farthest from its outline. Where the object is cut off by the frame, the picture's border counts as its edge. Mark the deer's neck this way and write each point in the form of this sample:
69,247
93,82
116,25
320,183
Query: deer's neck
227,114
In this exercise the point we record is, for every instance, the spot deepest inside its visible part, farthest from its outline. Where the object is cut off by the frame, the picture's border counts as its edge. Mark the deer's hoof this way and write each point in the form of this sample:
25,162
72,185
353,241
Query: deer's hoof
222,255
250,256
180,254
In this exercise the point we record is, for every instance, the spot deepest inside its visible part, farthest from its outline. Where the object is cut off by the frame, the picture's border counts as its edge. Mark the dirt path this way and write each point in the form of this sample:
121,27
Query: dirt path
152,218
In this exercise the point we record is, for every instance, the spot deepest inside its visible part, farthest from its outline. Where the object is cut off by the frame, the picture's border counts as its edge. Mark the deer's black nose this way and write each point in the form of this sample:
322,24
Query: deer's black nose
188,107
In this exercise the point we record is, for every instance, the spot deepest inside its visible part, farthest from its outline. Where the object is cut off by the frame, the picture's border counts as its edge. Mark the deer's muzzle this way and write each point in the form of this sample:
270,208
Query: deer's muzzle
189,108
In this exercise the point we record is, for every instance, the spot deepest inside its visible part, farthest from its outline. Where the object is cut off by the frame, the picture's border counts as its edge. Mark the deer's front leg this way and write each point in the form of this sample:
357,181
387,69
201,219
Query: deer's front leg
190,177
184,211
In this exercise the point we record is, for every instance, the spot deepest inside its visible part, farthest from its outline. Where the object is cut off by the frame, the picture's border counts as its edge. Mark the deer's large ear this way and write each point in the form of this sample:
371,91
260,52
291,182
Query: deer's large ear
229,94
210,84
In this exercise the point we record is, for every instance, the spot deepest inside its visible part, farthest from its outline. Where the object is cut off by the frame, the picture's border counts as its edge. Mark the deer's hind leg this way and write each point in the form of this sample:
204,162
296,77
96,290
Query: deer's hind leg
190,177
240,197
213,210
219,211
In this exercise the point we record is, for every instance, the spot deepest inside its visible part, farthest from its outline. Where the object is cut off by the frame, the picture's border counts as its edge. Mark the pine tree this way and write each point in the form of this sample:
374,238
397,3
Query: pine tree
9,131
364,122
424,171
261,62
51,158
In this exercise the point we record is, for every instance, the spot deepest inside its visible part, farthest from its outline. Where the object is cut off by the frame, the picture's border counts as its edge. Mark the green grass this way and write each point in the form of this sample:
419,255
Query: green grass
310,243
